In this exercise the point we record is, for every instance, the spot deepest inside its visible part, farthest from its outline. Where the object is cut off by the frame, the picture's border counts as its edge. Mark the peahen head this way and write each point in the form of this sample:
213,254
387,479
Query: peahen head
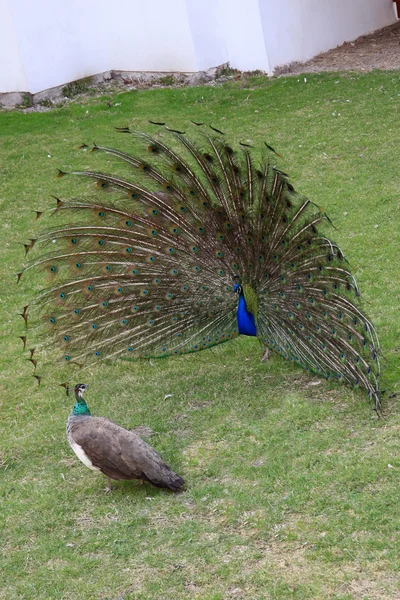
79,389
80,408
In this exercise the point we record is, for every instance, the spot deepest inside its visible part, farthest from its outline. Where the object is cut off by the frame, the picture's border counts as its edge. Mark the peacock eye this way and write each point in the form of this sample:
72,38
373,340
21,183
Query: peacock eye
230,223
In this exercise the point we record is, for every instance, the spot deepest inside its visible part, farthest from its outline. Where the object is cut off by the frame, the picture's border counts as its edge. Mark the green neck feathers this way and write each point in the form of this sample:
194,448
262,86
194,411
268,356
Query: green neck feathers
251,299
81,408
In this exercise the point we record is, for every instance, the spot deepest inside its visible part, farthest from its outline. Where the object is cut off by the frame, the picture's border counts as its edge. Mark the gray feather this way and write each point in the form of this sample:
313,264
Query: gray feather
119,453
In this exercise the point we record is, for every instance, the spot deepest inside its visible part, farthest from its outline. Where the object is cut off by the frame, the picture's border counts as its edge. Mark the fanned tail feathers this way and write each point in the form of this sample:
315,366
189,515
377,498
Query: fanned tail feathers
151,271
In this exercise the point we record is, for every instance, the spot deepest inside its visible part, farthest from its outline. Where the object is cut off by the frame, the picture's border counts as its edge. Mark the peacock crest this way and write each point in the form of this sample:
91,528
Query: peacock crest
156,268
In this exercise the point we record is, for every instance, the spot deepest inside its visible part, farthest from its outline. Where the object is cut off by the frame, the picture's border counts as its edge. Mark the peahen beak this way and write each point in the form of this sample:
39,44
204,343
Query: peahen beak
80,388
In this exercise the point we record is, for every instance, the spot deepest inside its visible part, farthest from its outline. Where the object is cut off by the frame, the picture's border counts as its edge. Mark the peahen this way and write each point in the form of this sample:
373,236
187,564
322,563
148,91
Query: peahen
104,446
203,243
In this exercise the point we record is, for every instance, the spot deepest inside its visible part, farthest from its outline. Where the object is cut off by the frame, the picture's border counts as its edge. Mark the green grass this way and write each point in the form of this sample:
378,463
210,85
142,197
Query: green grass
292,487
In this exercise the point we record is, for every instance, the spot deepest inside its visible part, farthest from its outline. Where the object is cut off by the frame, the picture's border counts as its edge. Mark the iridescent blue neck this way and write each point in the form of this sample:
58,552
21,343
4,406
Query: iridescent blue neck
245,319
81,408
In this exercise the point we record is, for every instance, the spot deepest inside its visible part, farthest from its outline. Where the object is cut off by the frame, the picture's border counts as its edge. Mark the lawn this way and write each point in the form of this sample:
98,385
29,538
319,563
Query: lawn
292,482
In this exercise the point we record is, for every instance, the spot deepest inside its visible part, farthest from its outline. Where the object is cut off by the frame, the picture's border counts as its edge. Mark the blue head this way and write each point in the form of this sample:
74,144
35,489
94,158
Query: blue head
237,286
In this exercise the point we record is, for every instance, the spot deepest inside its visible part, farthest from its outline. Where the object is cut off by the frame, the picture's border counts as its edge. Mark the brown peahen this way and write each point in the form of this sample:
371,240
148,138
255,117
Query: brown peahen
104,446
203,243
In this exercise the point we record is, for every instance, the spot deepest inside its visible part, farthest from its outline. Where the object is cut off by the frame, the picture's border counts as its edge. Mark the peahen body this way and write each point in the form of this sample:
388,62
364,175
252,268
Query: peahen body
201,244
104,446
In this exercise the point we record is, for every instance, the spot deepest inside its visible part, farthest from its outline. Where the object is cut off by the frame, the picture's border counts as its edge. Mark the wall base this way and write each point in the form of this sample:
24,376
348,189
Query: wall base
116,81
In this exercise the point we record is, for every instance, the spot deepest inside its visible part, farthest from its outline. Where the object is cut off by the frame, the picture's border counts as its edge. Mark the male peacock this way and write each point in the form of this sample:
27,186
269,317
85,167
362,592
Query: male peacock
201,245
104,446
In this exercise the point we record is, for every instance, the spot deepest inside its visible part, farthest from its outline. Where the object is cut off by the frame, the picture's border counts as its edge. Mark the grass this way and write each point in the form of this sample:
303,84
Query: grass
292,482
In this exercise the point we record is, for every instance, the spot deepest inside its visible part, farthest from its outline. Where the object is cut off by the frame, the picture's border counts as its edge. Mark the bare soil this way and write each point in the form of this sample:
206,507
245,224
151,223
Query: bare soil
377,50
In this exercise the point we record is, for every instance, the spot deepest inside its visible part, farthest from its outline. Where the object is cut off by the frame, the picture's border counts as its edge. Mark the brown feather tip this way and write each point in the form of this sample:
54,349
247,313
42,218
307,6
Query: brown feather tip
326,217
175,130
280,172
19,275
217,130
32,351
38,378
24,313
38,214
29,246
66,386
23,338
273,150
81,146
60,203
123,129
160,124
61,174
195,123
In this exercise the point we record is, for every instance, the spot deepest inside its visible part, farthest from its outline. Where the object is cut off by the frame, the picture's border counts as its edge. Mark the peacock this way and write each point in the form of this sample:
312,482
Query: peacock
104,446
200,243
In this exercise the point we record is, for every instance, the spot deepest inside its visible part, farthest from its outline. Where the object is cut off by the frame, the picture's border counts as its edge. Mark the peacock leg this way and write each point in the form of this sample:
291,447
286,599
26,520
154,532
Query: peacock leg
265,356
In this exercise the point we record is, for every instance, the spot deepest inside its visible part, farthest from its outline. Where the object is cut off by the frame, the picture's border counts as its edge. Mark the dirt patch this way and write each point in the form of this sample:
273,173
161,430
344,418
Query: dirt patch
378,50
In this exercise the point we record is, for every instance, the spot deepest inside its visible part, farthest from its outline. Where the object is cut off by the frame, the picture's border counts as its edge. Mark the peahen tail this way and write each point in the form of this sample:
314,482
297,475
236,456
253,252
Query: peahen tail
201,245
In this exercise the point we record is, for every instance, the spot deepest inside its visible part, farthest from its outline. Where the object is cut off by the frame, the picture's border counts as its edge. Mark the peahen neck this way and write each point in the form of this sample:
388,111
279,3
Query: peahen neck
245,319
80,408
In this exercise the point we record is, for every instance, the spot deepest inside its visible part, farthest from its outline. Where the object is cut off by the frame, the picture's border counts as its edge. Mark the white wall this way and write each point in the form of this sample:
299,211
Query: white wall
298,30
228,31
47,43
12,73
147,35
61,41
